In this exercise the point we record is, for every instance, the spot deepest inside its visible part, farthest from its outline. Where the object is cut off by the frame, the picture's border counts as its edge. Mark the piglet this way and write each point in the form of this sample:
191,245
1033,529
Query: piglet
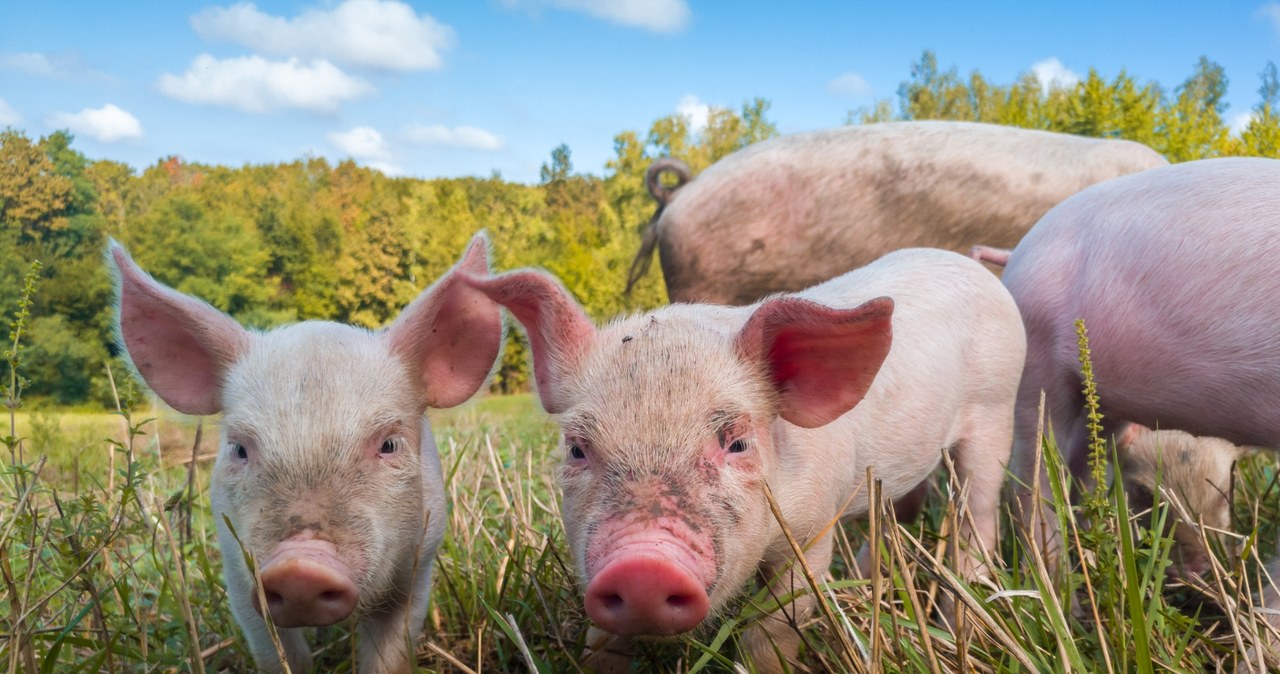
675,421
327,471
1194,470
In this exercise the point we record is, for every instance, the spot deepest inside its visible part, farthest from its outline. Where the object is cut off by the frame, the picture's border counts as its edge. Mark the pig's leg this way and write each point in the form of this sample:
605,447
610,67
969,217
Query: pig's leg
980,459
777,633
239,592
608,653
1063,415
387,638
1265,652
905,509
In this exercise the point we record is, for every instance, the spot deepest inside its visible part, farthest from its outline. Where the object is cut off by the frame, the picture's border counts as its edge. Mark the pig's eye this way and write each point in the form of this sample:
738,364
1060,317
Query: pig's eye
239,451
388,447
737,446
576,448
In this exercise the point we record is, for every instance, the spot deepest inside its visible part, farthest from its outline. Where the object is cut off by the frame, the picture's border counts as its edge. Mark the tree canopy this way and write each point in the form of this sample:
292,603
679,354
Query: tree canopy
307,239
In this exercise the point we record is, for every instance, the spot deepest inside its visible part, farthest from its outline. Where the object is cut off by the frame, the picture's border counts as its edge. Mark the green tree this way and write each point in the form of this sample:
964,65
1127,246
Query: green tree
34,197
932,94
1261,137
561,165
1192,125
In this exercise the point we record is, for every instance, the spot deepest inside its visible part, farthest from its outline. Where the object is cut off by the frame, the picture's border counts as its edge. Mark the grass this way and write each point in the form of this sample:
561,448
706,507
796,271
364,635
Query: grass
108,563
117,571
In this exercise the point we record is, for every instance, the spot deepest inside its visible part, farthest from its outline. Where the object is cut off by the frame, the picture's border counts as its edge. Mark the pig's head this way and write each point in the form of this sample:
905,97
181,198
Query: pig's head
323,468
1195,470
668,426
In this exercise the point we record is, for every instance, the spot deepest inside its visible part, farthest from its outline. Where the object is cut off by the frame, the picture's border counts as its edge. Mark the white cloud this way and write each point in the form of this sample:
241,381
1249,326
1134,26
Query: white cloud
60,66
107,124
388,168
1239,122
362,142
849,84
460,136
366,145
1271,10
695,111
8,116
659,16
30,63
254,84
379,34
1053,75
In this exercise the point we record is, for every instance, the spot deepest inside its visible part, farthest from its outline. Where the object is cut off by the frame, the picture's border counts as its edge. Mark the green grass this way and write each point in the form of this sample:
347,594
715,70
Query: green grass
109,564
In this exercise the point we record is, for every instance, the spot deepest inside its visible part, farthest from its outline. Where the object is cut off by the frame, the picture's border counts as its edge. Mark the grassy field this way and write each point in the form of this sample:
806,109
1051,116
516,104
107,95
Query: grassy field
109,564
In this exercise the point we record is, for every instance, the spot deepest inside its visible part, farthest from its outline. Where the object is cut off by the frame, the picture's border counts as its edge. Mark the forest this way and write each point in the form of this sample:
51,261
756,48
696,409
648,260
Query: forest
309,239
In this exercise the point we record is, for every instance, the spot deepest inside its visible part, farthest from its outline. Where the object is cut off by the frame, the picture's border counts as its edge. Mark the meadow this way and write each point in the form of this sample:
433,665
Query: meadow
107,554
109,565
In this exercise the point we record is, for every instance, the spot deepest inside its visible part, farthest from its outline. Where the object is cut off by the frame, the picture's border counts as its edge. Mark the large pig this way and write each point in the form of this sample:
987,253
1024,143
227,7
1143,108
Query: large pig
797,210
674,421
328,471
1175,272
1195,470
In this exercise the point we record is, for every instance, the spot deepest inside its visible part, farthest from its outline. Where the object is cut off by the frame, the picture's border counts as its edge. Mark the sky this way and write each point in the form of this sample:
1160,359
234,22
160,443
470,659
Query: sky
474,87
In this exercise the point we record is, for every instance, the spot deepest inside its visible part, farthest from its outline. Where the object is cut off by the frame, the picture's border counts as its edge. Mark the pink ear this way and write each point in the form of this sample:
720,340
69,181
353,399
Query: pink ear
1130,435
822,360
451,334
181,346
559,332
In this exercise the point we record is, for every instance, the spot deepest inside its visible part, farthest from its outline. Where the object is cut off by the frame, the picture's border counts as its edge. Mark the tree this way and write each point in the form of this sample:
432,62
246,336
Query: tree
1192,125
33,196
560,167
1261,137
931,94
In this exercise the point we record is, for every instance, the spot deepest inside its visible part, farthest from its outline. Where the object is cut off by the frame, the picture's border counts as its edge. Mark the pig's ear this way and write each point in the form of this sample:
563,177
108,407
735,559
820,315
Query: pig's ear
451,333
559,331
181,346
822,360
1130,435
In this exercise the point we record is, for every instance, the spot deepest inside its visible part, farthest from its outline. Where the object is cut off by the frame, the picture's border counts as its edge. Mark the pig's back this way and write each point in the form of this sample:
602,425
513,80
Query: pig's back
796,210
1176,273
958,346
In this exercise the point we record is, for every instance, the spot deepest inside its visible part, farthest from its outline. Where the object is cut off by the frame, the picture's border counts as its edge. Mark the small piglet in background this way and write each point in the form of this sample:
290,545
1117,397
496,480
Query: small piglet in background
328,471
1194,470
674,422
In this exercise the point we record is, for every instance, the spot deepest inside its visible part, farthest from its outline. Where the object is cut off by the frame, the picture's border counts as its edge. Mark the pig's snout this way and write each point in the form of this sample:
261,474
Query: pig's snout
645,594
649,578
306,585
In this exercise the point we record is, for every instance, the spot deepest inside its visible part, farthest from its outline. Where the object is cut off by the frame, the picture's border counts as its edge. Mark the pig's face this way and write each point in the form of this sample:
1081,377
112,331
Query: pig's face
667,422
321,465
1195,470
666,447
325,466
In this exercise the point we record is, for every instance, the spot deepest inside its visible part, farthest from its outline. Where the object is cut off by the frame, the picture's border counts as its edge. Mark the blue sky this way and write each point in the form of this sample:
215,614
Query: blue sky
470,87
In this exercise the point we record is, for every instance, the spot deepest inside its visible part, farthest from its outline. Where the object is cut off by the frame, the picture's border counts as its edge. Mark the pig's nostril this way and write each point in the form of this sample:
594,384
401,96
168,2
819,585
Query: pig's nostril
645,596
274,600
332,595
680,600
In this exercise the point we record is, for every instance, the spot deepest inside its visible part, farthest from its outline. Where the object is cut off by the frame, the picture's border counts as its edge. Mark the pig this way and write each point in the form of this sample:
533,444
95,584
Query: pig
1175,272
1195,470
789,212
328,471
674,421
